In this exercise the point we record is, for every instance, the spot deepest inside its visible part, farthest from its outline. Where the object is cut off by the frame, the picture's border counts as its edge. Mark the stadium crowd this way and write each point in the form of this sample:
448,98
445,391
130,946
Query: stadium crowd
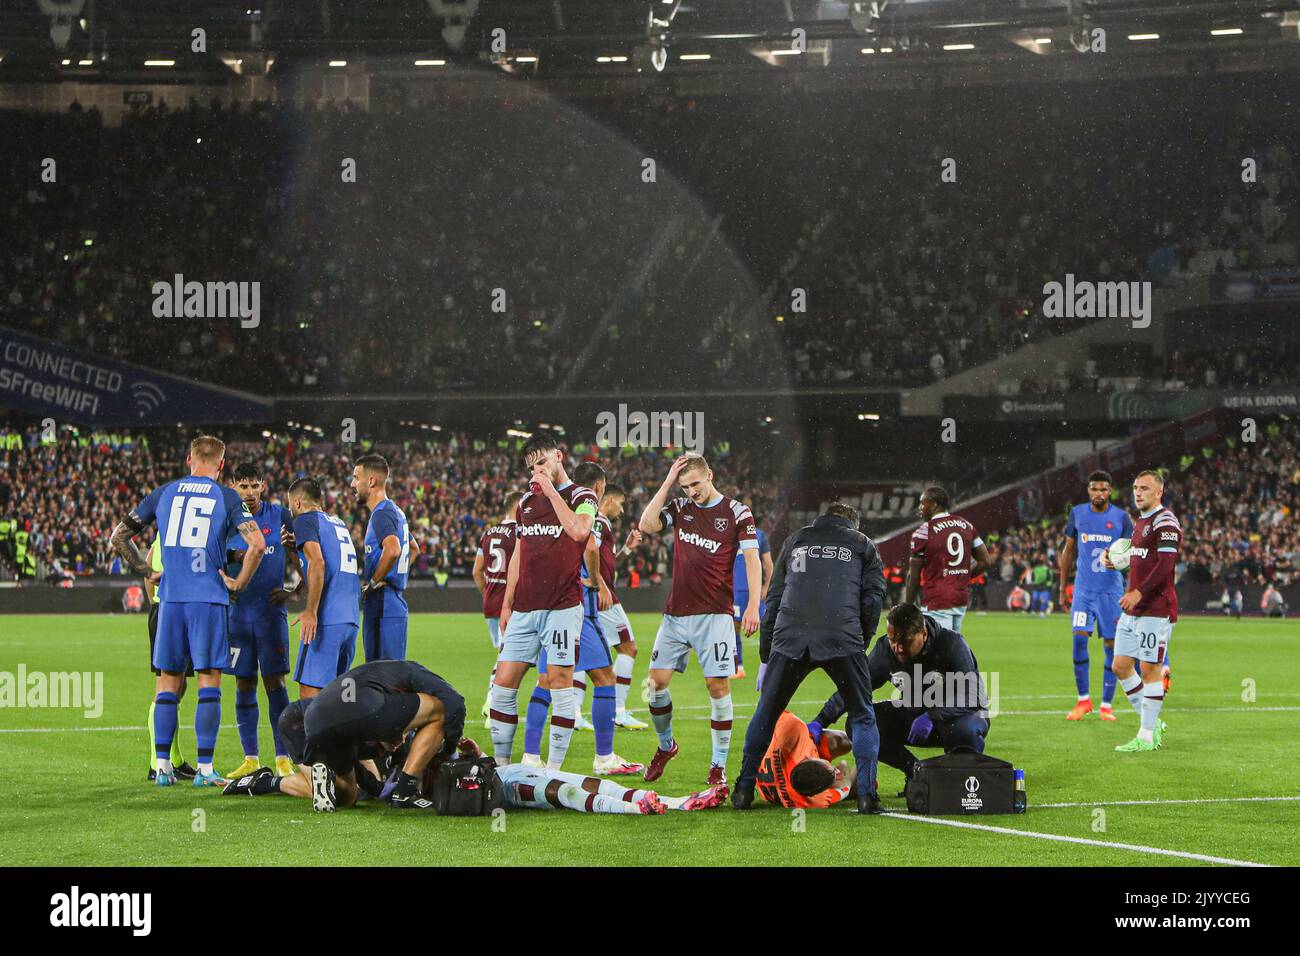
909,277
65,496
59,501
1237,505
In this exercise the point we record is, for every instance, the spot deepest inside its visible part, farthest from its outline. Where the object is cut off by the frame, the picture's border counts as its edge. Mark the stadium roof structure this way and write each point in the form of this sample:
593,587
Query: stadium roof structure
617,41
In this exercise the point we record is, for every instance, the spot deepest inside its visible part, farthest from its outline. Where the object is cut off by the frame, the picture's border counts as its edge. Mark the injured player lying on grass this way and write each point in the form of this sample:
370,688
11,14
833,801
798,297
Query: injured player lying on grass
522,787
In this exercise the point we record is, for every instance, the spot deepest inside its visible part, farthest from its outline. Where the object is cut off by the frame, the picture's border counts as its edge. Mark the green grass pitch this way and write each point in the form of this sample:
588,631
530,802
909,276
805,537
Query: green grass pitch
74,789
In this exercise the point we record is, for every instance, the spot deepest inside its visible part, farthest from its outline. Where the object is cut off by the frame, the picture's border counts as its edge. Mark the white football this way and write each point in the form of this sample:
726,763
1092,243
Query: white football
1119,553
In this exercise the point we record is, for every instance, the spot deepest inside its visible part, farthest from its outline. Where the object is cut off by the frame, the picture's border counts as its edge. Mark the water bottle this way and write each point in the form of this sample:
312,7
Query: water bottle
1018,800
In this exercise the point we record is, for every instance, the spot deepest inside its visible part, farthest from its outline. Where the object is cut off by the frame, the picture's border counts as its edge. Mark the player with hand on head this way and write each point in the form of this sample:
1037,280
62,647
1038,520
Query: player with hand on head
948,550
1150,610
491,560
542,606
328,631
259,625
709,530
1090,530
195,515
388,559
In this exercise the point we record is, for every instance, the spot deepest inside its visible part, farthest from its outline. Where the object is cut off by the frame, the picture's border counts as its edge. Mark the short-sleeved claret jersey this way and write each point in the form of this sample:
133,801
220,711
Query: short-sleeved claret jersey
603,529
945,543
550,562
790,746
496,545
706,541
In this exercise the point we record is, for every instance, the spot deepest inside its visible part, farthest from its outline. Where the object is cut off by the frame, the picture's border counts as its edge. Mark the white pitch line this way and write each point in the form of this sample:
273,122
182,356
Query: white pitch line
1132,847
1149,803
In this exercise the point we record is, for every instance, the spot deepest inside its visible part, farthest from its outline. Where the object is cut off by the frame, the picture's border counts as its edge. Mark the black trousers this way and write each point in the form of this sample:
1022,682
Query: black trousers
968,731
782,678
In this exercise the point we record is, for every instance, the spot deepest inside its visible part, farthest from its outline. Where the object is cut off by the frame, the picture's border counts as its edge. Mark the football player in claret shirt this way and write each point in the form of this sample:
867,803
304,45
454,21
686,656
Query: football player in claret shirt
195,515
1089,531
542,606
259,624
1150,609
708,530
594,662
388,558
495,547
941,565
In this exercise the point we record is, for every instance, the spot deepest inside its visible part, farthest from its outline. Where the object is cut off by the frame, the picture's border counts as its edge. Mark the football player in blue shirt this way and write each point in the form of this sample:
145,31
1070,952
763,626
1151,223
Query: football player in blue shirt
259,625
195,517
1089,531
740,590
388,557
330,619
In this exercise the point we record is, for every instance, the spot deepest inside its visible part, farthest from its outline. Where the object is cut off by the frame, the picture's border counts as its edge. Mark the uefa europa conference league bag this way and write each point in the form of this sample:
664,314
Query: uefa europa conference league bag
464,788
964,783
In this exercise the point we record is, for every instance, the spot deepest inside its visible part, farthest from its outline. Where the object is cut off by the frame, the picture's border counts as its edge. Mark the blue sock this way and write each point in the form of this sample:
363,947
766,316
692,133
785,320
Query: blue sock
1108,677
1081,663
164,724
740,651
535,720
207,722
246,716
277,700
602,718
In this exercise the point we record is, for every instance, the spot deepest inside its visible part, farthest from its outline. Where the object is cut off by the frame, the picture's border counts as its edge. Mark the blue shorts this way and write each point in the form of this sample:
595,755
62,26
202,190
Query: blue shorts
327,656
1091,609
738,601
258,640
191,632
384,620
593,649
494,630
